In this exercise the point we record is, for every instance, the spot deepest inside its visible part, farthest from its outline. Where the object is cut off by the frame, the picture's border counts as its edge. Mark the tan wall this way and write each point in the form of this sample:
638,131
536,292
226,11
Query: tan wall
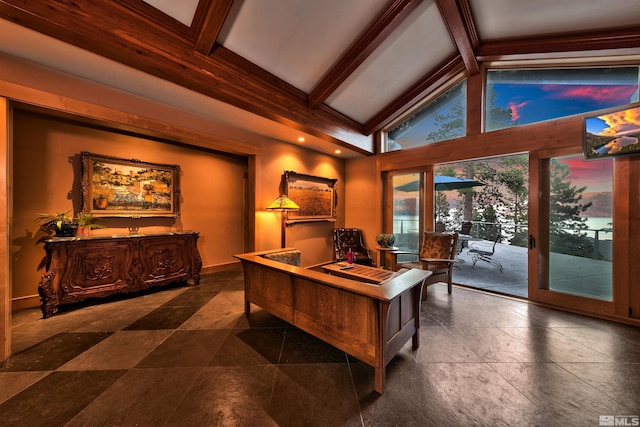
46,175
362,199
314,239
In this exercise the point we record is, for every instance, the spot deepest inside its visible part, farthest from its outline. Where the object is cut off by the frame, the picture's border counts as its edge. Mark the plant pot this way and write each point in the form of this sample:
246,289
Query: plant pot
83,231
101,202
67,229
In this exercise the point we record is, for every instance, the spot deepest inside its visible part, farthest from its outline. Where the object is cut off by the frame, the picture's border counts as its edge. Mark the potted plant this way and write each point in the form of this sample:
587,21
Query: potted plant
86,223
58,224
385,240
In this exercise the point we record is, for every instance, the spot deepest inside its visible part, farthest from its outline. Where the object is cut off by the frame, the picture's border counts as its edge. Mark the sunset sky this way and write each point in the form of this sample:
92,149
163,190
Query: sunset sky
536,102
532,103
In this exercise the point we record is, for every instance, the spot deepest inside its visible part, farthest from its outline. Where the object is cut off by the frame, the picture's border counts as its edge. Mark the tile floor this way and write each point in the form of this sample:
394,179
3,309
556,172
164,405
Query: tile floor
187,356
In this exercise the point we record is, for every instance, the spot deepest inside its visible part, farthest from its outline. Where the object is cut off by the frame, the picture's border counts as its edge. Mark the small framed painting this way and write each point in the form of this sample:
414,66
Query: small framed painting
316,197
113,187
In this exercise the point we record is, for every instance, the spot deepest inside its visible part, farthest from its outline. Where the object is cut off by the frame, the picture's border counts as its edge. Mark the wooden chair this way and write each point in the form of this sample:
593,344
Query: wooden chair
437,254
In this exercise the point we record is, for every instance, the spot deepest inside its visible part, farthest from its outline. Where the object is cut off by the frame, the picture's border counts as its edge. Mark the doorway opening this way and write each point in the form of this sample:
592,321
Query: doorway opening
488,206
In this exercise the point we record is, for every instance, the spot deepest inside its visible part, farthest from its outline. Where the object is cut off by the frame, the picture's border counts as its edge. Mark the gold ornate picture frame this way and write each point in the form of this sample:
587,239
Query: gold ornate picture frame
113,187
316,197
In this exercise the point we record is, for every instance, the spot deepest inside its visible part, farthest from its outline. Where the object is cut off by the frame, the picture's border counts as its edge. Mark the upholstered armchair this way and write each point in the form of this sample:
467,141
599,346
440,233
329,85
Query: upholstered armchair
437,254
345,238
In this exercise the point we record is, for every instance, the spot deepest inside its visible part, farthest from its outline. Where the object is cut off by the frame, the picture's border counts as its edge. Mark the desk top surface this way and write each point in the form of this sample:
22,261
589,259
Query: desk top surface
359,272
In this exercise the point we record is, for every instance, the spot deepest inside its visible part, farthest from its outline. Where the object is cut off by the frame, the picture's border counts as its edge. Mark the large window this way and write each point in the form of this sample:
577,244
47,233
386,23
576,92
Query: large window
519,97
443,118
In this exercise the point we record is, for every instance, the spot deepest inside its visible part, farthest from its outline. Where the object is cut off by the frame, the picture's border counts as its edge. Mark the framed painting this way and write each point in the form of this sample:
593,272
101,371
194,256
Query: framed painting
316,197
612,132
113,187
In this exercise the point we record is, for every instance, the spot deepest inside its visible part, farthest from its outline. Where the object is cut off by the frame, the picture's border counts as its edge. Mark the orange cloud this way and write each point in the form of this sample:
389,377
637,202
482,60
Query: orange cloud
515,114
621,122
596,93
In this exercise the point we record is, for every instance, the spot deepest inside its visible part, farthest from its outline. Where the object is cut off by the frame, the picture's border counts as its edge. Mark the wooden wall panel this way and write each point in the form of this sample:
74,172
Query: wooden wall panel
5,214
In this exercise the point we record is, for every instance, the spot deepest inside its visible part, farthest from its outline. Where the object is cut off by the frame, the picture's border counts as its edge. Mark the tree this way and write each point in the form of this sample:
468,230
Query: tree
566,225
514,175
442,206
497,117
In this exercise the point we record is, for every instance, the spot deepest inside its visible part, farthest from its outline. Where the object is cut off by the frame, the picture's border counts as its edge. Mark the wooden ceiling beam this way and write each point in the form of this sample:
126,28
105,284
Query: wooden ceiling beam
118,34
457,17
605,43
208,22
444,72
393,15
152,16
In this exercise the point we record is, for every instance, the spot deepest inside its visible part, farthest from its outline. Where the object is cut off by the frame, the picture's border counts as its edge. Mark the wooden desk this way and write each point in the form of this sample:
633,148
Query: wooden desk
359,272
369,322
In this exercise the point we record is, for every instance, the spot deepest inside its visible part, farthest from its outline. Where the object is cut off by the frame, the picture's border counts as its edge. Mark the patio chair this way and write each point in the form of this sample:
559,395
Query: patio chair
466,227
466,230
437,254
350,238
485,252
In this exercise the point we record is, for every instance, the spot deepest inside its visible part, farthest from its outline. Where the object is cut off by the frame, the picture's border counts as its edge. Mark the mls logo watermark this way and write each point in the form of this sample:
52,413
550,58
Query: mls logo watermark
619,420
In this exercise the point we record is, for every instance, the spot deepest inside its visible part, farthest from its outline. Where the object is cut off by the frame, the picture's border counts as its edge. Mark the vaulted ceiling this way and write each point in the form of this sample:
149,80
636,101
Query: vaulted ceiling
333,71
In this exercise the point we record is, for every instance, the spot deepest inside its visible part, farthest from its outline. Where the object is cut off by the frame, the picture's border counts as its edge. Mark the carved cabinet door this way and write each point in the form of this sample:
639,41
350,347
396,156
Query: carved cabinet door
92,268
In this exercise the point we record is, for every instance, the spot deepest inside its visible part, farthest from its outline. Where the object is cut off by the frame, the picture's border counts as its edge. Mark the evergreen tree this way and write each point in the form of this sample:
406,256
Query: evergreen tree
566,225
442,206
451,124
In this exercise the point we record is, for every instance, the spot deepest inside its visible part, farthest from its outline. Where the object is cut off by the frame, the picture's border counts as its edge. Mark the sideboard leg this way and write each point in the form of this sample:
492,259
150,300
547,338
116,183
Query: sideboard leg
47,294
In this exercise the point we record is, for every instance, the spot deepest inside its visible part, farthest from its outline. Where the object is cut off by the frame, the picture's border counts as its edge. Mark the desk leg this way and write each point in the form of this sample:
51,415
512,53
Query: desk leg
379,385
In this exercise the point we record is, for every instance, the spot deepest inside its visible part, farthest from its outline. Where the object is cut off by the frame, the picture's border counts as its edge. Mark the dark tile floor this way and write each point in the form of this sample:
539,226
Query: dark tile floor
188,356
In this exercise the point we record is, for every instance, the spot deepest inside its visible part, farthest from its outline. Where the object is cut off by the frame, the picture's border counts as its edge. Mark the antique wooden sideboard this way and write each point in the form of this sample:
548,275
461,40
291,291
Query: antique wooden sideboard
91,267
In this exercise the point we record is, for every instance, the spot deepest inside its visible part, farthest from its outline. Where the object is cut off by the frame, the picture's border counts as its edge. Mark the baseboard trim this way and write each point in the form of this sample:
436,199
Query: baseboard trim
29,301
221,267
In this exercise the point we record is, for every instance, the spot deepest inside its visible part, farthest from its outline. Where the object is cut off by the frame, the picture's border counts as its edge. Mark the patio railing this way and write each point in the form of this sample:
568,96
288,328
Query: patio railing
597,245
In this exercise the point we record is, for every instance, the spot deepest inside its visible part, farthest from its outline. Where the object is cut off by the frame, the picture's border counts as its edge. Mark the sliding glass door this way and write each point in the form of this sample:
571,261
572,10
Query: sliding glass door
574,242
407,210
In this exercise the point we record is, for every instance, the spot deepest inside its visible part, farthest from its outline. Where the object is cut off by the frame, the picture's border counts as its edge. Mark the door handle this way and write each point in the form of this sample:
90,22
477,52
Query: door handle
532,241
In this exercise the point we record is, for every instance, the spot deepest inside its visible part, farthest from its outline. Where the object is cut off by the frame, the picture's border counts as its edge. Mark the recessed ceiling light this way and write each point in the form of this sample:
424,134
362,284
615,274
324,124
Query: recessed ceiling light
338,151
300,139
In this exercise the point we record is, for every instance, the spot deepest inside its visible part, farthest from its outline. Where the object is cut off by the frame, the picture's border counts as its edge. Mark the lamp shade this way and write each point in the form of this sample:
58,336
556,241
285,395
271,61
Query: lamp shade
283,203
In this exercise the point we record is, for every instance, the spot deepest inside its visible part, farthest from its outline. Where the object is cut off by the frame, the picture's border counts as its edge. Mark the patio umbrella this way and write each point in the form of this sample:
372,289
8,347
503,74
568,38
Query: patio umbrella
442,183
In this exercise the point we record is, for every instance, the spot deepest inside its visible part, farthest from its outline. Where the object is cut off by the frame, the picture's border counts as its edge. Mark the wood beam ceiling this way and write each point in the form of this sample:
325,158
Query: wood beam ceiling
444,72
395,12
585,45
460,27
136,34
117,33
207,23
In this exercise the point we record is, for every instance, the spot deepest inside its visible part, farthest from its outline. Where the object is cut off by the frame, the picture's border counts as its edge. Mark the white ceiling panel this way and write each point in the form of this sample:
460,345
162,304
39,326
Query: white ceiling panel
297,40
300,41
29,45
416,47
502,19
180,10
